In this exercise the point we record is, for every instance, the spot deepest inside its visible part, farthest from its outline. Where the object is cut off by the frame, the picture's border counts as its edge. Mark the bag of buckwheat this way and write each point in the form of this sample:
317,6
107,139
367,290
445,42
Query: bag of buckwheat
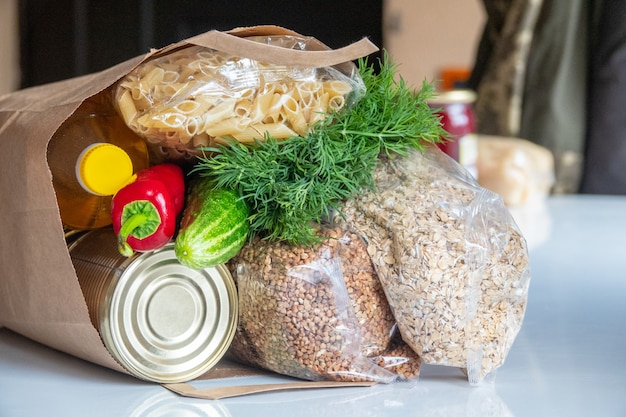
316,313
451,259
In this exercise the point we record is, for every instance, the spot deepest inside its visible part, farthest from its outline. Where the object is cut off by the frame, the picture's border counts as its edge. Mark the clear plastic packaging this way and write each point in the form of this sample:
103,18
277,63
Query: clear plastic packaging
451,259
316,313
197,97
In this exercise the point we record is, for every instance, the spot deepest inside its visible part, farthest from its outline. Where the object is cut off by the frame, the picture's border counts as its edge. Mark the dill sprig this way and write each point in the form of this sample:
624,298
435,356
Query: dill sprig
290,185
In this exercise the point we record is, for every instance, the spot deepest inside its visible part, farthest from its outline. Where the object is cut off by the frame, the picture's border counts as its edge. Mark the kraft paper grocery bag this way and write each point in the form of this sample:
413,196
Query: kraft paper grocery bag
40,296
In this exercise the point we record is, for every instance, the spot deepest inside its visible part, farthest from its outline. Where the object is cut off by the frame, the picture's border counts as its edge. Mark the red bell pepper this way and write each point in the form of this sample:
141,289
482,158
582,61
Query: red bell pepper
144,212
173,178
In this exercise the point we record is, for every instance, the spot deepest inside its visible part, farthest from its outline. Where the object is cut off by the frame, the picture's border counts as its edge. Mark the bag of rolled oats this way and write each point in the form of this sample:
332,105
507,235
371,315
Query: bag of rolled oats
451,259
317,313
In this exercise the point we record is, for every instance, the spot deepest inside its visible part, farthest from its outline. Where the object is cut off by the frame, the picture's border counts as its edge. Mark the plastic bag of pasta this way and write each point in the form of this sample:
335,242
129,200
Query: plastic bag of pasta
198,96
316,313
451,259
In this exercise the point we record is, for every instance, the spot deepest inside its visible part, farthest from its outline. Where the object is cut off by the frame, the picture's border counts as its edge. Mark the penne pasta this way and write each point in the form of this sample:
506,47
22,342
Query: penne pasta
220,111
170,77
295,116
276,130
192,128
196,97
273,118
189,107
243,108
336,103
137,93
153,77
126,107
168,119
246,94
202,140
227,127
337,88
261,105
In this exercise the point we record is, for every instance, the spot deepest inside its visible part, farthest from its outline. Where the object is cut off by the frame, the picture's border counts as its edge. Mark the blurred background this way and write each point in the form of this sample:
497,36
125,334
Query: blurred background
549,72
44,41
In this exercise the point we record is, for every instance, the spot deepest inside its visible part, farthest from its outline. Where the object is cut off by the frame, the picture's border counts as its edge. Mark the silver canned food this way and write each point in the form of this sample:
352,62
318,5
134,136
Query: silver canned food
162,321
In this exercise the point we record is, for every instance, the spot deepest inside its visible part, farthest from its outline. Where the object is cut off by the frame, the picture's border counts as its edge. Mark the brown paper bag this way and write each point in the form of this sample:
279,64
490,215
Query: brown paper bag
227,369
40,297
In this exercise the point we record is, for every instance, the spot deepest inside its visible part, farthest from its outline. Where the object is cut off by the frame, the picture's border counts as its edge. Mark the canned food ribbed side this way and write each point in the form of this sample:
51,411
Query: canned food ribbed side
160,320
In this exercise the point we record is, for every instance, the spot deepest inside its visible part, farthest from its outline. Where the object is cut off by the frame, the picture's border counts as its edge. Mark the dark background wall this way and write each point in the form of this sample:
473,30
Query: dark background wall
65,38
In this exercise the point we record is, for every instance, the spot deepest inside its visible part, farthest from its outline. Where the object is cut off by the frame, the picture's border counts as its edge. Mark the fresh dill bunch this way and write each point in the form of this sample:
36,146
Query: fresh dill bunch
290,185
391,112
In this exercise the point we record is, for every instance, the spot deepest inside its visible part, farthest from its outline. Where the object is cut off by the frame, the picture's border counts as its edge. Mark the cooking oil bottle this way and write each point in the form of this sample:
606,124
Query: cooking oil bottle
91,156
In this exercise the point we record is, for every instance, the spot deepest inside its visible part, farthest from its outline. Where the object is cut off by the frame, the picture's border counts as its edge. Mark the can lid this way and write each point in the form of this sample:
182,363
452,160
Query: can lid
168,323
453,96
103,168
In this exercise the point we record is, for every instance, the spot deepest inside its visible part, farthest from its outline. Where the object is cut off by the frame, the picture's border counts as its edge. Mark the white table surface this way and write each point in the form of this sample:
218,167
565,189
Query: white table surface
568,360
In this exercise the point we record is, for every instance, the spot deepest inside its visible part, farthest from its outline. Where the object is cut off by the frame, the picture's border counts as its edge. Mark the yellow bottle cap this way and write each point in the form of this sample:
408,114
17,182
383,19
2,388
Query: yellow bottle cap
103,168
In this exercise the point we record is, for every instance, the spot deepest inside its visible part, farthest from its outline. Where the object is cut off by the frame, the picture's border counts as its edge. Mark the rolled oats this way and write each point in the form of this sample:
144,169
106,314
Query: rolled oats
452,261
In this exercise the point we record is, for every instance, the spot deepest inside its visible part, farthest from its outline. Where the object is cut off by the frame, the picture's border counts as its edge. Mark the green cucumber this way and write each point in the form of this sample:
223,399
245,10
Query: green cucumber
214,226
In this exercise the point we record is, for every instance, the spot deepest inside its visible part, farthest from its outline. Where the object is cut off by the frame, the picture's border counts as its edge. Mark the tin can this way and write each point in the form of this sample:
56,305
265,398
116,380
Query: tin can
162,321
456,108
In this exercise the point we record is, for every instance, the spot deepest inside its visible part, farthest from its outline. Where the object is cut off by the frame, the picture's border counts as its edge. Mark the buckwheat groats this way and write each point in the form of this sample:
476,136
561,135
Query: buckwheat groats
316,313
451,259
